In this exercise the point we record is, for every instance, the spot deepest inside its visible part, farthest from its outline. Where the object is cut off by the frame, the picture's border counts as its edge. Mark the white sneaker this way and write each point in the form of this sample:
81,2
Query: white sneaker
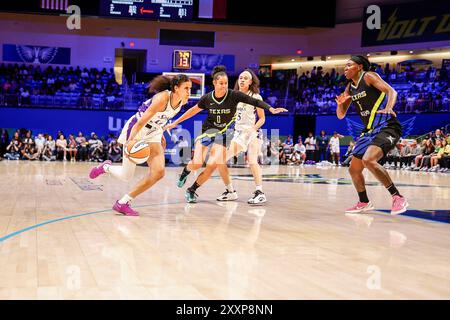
228,196
258,198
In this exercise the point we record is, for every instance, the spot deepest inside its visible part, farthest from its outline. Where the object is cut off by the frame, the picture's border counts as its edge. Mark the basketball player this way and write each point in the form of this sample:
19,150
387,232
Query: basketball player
147,125
221,104
381,133
247,137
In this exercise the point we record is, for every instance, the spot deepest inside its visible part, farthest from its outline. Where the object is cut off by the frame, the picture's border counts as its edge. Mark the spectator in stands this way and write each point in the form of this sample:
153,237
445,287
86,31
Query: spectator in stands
322,143
335,148
310,145
95,148
48,154
31,153
392,158
27,143
423,162
416,150
436,155
419,155
39,142
444,162
72,148
24,97
114,152
299,153
405,155
14,147
286,150
438,135
61,148
82,147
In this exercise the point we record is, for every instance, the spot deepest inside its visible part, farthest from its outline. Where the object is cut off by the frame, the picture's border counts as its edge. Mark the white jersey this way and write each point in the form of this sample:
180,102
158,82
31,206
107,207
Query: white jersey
246,114
160,118
153,129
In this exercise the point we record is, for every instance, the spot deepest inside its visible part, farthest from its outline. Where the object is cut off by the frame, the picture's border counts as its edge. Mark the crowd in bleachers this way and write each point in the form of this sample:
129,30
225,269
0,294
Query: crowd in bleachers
312,92
24,85
431,154
24,146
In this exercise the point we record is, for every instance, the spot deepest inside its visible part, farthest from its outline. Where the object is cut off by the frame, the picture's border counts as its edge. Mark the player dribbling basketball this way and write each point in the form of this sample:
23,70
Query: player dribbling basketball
147,125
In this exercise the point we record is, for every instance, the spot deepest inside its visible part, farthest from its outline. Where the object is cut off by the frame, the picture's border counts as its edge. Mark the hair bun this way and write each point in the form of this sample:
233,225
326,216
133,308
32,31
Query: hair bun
217,69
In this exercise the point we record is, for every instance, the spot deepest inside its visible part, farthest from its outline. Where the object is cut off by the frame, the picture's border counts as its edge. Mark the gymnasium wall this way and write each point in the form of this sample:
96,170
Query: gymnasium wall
98,39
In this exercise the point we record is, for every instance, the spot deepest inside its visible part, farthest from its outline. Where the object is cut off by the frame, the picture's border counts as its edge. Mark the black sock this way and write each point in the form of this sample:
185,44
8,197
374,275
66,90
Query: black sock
363,196
185,172
393,190
194,187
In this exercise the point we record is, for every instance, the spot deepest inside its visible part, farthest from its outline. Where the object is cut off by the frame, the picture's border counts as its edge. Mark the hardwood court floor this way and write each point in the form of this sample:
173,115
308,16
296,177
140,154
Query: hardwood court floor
300,245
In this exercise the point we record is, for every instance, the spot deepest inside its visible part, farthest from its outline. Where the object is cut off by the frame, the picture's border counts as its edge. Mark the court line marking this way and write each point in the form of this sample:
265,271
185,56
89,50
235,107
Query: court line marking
15,233
385,212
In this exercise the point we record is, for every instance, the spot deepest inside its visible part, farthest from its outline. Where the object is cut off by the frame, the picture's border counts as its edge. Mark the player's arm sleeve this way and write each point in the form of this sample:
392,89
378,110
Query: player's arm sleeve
245,98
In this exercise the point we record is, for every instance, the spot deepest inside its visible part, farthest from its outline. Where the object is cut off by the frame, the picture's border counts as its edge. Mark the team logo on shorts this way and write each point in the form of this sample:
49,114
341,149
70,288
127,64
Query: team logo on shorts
391,139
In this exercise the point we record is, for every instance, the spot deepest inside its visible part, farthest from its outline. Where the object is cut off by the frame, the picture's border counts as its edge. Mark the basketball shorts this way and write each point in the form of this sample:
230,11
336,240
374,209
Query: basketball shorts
223,139
147,133
385,137
245,137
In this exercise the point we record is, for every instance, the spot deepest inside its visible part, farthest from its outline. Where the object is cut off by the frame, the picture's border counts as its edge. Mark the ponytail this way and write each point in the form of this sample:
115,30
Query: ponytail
161,83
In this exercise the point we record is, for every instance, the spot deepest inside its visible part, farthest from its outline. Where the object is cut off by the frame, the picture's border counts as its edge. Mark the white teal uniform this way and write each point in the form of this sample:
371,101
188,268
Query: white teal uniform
153,130
244,134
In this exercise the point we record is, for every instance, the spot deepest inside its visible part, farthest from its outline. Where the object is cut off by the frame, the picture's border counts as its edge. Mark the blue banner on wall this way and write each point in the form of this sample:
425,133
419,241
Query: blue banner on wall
206,62
407,23
36,54
71,121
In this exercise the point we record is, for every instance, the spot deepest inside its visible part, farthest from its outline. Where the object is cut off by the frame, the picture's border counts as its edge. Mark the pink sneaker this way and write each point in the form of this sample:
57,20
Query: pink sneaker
360,207
125,209
399,204
98,170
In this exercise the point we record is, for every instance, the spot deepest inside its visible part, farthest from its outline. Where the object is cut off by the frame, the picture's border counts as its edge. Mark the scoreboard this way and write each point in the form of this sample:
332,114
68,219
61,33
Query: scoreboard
182,59
178,10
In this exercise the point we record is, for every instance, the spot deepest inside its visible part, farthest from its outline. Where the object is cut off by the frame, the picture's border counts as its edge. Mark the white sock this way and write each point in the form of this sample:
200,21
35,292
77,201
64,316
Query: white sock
259,188
125,199
230,187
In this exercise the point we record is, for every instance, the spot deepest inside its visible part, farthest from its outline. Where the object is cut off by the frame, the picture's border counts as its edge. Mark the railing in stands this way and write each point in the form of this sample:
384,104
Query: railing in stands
445,129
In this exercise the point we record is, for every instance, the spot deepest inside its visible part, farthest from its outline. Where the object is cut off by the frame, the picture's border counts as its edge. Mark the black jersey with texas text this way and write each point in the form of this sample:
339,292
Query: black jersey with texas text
368,100
221,112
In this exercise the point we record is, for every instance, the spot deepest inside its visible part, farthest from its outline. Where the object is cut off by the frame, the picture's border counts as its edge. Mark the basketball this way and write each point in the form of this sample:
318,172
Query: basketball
138,151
